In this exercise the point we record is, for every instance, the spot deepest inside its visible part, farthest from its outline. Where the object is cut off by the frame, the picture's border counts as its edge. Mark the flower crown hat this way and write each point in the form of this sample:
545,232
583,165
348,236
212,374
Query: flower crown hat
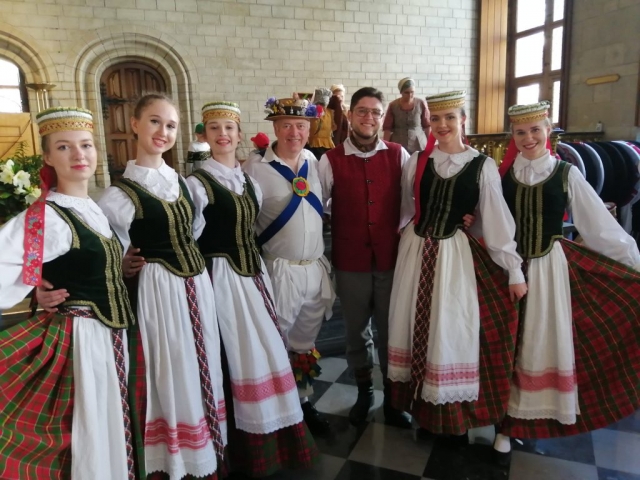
52,120
289,108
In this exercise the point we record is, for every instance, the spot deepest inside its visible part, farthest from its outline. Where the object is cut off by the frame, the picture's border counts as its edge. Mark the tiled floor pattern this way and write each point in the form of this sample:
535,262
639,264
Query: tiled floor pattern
376,451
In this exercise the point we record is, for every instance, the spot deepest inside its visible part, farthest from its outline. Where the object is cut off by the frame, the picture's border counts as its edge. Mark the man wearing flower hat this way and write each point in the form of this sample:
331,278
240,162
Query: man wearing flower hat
362,179
289,229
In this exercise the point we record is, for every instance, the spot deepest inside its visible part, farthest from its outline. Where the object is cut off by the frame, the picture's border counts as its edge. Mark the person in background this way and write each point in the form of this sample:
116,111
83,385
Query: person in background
578,363
407,119
322,126
198,150
340,116
260,142
65,409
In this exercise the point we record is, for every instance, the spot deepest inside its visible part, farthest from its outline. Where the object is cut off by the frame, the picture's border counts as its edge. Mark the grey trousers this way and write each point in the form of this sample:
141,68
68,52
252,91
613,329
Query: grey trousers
362,296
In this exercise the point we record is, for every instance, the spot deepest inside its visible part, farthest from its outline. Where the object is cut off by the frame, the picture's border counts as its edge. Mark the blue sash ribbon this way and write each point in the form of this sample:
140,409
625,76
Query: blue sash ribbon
296,198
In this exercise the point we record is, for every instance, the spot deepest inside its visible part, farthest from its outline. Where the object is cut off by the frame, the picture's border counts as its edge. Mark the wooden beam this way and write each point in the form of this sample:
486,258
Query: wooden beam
492,61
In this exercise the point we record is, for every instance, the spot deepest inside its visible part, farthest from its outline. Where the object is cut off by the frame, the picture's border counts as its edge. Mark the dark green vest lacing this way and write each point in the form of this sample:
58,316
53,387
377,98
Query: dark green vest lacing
229,231
163,231
538,210
445,201
91,272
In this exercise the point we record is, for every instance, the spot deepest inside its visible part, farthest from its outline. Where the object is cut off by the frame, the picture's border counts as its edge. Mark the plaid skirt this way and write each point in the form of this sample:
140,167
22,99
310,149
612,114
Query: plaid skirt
262,455
605,303
36,398
498,329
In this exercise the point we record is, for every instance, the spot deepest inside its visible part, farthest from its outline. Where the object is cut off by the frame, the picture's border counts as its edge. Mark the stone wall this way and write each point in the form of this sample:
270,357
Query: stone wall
244,50
605,40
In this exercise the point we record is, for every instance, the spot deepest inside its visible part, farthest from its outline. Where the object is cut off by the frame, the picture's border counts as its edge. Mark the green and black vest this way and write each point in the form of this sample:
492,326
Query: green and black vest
229,230
538,210
163,231
445,201
91,272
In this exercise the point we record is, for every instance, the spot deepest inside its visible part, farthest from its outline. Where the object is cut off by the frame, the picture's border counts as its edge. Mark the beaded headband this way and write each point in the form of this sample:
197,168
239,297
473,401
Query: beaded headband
529,113
61,119
224,110
443,101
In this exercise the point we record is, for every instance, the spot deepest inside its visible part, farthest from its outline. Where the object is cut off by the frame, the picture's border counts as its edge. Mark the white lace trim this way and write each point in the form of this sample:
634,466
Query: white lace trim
543,414
77,203
184,468
440,397
279,423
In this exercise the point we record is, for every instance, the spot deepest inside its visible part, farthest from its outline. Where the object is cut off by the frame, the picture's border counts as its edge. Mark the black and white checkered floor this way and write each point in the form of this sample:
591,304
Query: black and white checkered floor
376,451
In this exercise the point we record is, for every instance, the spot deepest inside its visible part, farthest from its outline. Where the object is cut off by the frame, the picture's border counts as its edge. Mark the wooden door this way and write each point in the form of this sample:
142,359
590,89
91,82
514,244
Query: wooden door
120,87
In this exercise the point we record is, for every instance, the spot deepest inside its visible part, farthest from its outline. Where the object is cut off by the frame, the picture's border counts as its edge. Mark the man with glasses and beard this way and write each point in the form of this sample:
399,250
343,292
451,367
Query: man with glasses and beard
361,191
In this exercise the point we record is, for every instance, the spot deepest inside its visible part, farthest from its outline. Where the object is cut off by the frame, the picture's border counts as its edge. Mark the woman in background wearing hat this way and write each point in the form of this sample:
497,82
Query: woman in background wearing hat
453,318
266,428
578,364
63,375
407,119
339,109
198,151
322,127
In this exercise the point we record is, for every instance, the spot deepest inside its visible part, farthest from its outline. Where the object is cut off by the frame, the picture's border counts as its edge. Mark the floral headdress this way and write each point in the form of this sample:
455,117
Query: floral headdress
290,108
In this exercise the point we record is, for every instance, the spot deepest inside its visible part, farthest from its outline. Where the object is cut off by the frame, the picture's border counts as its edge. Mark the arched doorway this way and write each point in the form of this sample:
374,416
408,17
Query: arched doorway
120,87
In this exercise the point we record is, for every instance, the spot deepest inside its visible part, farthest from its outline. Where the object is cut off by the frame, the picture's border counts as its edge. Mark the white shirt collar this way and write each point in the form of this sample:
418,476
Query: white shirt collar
350,149
538,165
77,203
224,171
148,177
270,155
458,158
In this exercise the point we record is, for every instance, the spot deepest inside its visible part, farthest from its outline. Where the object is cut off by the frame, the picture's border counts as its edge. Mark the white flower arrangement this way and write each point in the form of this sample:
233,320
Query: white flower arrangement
16,190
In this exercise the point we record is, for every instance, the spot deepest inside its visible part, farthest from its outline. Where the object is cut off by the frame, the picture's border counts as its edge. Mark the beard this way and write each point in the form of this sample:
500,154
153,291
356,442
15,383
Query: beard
362,135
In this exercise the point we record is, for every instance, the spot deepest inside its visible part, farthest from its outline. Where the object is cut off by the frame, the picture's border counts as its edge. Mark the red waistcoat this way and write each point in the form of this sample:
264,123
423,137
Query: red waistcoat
365,209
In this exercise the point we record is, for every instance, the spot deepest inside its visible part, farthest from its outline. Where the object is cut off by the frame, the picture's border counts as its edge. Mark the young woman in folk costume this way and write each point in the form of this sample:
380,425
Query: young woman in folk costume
150,208
453,320
266,428
65,411
578,356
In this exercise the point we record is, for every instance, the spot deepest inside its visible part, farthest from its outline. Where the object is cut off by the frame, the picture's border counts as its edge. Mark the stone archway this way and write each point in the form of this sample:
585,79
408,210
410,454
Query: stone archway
104,48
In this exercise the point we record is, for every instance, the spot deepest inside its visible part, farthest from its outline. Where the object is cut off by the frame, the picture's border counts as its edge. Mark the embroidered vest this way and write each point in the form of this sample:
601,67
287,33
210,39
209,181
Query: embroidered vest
163,231
445,201
365,209
229,231
91,272
538,210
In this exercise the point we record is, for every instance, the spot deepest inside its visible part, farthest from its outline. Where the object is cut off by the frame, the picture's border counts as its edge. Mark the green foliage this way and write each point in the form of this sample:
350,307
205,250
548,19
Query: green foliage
19,182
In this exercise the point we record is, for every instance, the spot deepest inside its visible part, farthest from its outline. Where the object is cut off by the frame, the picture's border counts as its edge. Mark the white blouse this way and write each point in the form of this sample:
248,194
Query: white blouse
230,178
162,182
493,216
597,227
57,242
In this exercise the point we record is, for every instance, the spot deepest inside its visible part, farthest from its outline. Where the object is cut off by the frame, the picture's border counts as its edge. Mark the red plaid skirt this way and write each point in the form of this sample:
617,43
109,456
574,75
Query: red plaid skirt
261,455
605,302
36,398
498,329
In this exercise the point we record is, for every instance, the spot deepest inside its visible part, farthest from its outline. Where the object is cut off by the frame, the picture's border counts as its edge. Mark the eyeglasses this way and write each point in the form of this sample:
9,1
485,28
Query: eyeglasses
363,112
